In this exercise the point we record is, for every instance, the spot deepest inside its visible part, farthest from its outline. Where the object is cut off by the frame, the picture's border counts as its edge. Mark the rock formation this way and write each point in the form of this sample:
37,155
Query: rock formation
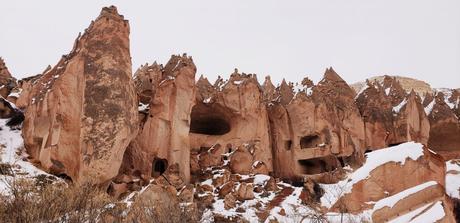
7,82
407,83
228,146
82,113
163,138
426,166
444,124
317,131
231,115
391,116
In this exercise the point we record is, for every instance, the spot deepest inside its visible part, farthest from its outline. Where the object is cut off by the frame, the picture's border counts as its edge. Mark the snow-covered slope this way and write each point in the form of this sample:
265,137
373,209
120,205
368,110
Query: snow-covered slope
13,158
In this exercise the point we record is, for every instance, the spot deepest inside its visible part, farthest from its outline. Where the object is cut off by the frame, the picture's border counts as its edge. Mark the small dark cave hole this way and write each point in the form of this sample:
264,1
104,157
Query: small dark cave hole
159,166
310,141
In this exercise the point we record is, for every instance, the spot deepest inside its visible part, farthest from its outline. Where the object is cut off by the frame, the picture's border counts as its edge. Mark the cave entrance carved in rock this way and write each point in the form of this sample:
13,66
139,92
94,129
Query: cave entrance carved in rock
159,166
319,165
210,120
310,141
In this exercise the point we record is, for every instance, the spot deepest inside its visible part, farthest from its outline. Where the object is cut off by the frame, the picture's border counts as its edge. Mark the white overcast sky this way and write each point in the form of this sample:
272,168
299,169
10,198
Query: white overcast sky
284,39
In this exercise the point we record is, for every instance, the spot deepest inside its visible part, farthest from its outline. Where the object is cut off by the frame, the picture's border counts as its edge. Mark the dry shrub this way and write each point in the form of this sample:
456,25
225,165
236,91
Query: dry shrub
41,200
30,201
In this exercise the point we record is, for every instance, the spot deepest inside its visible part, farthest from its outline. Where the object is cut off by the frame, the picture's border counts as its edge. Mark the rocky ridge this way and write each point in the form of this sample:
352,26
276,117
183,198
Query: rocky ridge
234,150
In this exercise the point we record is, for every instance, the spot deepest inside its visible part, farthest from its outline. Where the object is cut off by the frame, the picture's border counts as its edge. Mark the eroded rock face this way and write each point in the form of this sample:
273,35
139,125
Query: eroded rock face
163,138
445,125
317,131
391,116
83,113
232,116
7,82
378,185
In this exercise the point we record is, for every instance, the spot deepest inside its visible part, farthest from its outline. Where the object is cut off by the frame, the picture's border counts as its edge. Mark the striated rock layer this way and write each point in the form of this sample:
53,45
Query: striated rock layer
82,113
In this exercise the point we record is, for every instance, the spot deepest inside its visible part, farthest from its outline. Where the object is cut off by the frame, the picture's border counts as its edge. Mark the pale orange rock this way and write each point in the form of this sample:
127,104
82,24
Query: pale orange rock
392,116
83,111
445,126
163,137
7,82
379,184
317,131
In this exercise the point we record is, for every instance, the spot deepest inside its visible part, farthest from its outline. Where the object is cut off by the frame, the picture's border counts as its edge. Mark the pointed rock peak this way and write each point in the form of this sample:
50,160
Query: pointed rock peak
4,72
203,80
284,84
176,63
110,12
268,82
412,94
331,75
307,82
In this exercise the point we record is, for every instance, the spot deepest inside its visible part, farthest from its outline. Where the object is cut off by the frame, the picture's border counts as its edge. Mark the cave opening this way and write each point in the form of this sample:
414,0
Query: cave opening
310,141
319,165
209,120
159,166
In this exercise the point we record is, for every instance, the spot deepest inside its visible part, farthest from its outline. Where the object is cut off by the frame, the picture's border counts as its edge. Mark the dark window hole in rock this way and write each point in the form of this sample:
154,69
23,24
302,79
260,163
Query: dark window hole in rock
159,166
310,141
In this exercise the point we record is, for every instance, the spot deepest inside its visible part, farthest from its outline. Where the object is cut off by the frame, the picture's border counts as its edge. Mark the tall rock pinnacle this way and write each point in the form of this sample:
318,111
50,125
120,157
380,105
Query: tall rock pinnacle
83,112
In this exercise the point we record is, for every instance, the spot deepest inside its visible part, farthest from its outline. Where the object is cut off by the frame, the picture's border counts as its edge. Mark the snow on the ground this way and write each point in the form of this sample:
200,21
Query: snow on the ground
398,154
249,206
294,210
361,90
428,213
397,108
392,200
12,153
408,216
453,178
448,94
365,216
429,107
143,107
387,91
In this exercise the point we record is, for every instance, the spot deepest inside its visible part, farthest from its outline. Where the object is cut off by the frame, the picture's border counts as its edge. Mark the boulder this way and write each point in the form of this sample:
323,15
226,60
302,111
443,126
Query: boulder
82,113
226,189
245,191
229,201
379,184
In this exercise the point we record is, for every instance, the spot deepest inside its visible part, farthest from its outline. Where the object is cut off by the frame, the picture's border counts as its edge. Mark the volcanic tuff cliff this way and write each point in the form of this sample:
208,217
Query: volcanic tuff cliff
88,119
82,113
